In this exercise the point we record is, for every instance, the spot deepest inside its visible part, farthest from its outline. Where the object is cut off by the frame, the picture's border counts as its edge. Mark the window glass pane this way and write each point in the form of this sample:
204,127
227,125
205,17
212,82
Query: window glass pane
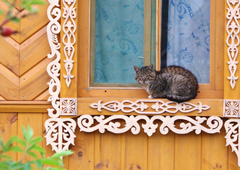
188,36
119,32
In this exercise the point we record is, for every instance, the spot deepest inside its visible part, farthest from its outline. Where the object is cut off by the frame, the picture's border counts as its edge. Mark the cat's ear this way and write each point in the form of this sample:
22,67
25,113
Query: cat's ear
150,68
136,68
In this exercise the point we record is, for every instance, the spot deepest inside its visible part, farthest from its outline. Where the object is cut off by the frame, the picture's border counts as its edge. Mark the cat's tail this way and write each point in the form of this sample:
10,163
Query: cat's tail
179,99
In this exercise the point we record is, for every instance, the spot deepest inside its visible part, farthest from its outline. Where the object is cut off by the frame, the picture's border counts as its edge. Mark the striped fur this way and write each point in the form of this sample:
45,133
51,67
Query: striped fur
174,82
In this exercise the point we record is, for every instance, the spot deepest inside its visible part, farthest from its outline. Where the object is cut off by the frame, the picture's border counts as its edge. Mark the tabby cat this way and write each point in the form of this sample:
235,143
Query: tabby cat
173,82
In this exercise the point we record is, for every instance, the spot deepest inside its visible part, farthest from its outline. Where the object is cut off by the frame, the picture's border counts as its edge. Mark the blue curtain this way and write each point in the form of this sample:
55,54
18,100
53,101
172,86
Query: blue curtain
189,36
118,40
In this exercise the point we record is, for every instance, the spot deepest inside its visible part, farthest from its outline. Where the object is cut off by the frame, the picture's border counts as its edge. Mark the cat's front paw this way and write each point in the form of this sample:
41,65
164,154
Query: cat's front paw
150,97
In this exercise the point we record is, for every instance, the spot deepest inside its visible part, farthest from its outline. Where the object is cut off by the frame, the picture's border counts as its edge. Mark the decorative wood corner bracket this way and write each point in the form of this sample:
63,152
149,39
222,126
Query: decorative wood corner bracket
232,127
140,106
233,29
231,108
121,123
68,106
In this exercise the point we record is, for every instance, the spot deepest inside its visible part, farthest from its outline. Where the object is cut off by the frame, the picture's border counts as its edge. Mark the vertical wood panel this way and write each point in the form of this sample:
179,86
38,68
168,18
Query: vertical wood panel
83,157
188,152
107,151
161,151
214,151
135,151
34,120
8,129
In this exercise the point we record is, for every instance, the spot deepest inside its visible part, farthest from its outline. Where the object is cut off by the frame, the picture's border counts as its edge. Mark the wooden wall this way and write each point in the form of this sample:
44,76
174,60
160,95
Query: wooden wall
93,151
23,77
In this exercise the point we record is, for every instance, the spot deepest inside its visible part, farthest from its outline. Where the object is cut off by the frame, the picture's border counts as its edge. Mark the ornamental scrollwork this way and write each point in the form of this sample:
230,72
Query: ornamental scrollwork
60,133
233,29
140,106
53,68
88,123
69,39
232,127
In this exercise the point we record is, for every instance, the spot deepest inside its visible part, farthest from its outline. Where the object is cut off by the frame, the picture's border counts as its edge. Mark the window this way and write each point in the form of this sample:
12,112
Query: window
90,85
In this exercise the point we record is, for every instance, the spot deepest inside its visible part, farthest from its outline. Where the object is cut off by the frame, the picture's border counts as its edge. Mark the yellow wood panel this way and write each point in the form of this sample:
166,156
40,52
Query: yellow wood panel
71,91
232,160
34,82
216,106
214,151
9,84
9,128
9,55
83,157
35,122
35,107
134,154
188,152
107,151
44,96
34,53
32,23
161,151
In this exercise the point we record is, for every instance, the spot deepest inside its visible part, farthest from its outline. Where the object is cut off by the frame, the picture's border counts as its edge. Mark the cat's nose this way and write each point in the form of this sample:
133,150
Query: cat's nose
144,79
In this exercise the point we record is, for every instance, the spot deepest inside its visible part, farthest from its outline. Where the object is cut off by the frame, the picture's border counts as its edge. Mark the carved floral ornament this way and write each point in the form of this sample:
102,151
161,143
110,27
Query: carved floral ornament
60,132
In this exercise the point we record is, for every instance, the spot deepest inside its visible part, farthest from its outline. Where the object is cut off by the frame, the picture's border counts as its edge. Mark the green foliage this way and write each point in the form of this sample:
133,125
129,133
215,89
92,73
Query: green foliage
28,146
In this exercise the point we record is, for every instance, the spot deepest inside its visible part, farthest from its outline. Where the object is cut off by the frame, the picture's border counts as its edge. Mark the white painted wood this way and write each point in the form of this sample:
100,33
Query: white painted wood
69,39
53,68
231,108
68,106
232,127
88,123
60,133
140,106
232,41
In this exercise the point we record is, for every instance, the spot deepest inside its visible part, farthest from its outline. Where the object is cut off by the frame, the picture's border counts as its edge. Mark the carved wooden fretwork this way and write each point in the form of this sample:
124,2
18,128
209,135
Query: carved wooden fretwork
59,132
68,106
232,41
232,127
53,68
231,108
88,123
140,106
69,39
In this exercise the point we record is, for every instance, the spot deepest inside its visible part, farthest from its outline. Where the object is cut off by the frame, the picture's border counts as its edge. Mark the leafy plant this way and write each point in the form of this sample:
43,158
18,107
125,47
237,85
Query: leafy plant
29,146
9,16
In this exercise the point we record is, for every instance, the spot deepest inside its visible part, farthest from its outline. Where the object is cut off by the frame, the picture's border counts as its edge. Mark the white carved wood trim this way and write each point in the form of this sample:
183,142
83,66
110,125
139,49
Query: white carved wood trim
232,41
60,133
231,108
68,106
232,127
88,123
140,106
53,68
69,39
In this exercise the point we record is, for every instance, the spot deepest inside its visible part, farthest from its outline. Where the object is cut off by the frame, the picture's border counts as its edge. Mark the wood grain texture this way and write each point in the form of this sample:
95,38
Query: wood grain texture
34,82
8,129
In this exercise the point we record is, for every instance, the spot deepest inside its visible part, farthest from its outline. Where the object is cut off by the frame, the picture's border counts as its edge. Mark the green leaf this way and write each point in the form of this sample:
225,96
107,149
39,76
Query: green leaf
32,154
62,153
25,134
49,161
38,163
1,12
15,149
16,166
6,157
39,149
36,140
10,141
2,145
30,132
4,164
27,166
17,20
38,2
22,142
